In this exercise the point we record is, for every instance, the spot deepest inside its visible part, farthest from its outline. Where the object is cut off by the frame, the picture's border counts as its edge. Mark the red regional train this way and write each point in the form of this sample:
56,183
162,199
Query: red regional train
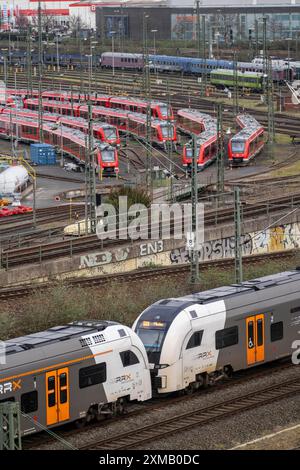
159,110
192,121
101,130
247,143
162,132
73,142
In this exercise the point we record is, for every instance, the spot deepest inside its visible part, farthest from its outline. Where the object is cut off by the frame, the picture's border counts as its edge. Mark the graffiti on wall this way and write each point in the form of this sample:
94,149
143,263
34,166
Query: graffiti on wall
100,258
278,238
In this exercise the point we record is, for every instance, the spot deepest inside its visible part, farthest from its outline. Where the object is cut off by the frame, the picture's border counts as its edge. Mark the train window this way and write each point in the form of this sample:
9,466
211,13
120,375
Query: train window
51,383
63,380
260,332
92,375
227,337
276,331
63,396
29,402
128,358
295,309
195,340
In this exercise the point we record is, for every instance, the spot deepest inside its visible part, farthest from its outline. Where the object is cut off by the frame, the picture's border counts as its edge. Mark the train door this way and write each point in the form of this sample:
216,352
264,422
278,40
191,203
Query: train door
255,333
57,396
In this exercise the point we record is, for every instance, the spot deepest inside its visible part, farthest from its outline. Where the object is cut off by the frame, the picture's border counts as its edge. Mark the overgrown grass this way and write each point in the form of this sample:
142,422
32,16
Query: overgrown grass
121,302
290,170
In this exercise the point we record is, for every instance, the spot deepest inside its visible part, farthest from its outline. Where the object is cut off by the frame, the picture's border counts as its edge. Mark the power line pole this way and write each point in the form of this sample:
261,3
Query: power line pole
10,429
236,88
40,71
147,88
270,104
265,64
220,150
198,32
256,37
194,255
238,260
90,175
29,62
204,76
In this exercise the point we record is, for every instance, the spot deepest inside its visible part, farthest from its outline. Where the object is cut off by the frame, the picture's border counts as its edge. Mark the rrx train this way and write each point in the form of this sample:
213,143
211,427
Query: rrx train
86,369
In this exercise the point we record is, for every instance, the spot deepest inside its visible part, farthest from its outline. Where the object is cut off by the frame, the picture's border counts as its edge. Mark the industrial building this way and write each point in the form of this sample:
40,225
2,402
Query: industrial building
168,19
174,19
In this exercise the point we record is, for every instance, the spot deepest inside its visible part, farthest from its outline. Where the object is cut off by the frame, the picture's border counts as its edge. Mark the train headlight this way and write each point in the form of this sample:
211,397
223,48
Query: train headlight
161,366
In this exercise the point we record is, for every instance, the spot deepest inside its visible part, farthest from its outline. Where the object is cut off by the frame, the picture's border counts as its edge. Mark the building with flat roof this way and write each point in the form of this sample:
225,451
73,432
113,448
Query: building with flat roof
176,19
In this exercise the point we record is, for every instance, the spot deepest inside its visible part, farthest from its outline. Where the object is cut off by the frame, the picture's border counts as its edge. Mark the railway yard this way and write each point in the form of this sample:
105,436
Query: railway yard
151,353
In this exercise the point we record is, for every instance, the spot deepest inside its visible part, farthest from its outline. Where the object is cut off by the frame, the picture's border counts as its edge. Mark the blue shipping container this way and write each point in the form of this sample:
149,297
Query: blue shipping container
42,154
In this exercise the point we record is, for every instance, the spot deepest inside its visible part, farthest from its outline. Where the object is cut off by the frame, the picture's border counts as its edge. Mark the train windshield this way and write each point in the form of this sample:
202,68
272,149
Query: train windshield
237,146
189,152
110,133
165,110
167,131
108,155
152,335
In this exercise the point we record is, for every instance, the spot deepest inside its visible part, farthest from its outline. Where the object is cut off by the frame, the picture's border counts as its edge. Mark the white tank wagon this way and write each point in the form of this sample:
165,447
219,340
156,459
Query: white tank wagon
13,180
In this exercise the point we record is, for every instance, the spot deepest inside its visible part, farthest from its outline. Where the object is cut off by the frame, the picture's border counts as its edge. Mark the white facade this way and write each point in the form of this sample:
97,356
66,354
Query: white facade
61,11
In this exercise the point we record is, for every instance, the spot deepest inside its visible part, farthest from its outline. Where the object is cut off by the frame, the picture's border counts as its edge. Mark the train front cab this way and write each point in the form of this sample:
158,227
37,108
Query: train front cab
108,162
237,154
206,155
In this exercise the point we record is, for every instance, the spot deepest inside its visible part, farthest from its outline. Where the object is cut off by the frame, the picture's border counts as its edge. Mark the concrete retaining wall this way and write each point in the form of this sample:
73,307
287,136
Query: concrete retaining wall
219,243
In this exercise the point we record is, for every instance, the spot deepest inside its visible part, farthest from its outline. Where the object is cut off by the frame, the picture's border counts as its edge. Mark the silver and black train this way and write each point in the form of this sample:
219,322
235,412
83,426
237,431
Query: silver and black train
197,339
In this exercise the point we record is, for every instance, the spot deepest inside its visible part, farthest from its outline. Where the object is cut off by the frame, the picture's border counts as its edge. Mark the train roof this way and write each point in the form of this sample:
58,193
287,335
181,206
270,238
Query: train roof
74,134
249,126
55,334
209,124
121,54
240,73
52,345
55,117
128,99
168,309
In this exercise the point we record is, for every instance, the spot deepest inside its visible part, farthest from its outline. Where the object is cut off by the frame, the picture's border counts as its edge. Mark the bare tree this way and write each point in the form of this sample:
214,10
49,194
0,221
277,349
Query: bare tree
21,22
275,27
76,24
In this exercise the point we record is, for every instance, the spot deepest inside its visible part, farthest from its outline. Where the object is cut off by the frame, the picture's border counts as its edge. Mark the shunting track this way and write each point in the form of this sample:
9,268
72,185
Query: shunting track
134,410
199,417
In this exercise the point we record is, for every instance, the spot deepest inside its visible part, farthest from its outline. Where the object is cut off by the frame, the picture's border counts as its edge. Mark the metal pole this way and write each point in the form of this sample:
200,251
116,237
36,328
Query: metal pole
194,259
238,260
57,55
34,201
91,172
220,151
204,79
270,104
40,68
265,65
10,435
236,89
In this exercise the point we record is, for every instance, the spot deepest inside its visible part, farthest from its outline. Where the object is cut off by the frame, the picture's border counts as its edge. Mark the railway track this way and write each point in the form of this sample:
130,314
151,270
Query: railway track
183,93
42,252
9,293
23,223
199,417
135,410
